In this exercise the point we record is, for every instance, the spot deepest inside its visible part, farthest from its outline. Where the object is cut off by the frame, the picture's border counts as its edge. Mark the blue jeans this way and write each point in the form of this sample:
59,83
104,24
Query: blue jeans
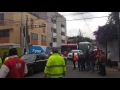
92,66
87,66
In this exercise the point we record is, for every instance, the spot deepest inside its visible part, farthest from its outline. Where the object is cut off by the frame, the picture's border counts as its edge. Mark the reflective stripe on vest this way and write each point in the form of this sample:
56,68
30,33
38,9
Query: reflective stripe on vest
54,66
56,74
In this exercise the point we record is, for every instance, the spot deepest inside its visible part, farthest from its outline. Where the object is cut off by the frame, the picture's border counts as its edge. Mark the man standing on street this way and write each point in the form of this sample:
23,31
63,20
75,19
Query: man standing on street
109,59
14,67
55,66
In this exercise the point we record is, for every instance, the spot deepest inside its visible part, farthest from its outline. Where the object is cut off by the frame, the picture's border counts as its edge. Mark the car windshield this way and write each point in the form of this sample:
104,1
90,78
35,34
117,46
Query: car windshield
28,57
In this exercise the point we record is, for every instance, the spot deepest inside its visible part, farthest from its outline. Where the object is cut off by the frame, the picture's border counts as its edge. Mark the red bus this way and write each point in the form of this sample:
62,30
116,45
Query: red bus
66,48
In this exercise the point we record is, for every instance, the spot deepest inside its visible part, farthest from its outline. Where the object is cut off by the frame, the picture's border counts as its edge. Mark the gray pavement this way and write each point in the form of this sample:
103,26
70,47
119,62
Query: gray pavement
111,73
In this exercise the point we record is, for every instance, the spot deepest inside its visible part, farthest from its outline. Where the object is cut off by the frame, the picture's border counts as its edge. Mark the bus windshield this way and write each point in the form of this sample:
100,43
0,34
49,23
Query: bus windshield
83,47
68,48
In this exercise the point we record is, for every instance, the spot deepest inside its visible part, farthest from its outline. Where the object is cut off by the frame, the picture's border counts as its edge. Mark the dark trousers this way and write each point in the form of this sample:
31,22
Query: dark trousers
74,64
83,66
102,70
109,63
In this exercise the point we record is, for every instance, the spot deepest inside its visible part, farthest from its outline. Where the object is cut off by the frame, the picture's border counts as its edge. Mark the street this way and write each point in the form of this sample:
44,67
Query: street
111,73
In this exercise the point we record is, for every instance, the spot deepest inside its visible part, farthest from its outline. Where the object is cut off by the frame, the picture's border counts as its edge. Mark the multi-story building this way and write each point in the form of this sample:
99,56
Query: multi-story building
56,27
10,32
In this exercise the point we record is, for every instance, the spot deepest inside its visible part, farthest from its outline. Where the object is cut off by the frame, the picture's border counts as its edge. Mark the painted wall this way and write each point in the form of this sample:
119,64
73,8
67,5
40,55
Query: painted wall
38,49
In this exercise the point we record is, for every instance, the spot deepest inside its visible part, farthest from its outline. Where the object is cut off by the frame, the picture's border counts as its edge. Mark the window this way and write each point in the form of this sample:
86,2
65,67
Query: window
63,33
4,33
53,20
43,38
63,26
63,41
54,30
32,22
54,39
1,18
34,36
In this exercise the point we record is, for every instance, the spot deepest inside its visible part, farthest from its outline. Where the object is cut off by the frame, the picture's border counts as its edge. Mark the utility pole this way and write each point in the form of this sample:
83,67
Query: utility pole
21,34
27,33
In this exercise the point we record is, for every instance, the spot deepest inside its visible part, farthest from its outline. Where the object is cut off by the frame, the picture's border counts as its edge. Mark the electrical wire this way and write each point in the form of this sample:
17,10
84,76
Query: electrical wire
86,23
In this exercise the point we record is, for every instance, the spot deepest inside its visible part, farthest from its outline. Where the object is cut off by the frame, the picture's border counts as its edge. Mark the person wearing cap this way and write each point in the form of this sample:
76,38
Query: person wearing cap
14,67
55,66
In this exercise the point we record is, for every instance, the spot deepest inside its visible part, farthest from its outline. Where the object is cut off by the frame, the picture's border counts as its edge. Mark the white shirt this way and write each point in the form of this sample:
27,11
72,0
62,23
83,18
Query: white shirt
5,70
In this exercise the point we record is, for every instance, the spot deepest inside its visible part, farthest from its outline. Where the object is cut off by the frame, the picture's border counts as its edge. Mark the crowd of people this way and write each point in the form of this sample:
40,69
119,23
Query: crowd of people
91,61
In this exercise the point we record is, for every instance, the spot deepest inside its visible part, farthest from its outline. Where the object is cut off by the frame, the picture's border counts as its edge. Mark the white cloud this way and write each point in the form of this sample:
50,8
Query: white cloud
74,25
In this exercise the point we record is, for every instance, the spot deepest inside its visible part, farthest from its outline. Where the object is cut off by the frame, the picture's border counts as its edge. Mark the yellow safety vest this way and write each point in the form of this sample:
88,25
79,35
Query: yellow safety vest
55,66
6,59
0,62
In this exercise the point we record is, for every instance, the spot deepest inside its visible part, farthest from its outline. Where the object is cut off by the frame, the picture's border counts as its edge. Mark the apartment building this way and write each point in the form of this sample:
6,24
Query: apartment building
56,27
10,32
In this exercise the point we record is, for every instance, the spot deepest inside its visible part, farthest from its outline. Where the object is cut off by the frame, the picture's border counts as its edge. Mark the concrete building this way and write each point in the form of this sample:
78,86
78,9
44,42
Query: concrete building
10,23
57,24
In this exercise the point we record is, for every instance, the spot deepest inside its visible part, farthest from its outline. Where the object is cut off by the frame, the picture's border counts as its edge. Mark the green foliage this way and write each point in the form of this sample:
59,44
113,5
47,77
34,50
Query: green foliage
106,33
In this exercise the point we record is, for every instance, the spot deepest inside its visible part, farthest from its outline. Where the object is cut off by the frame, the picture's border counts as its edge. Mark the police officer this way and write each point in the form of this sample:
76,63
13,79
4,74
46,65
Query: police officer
55,66
14,67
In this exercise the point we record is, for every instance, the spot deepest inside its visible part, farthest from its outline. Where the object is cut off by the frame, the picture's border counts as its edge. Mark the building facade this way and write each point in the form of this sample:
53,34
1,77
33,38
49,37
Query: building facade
10,30
56,27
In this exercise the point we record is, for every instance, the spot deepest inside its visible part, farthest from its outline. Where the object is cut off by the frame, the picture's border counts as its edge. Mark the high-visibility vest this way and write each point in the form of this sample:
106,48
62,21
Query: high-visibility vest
55,66
0,62
6,59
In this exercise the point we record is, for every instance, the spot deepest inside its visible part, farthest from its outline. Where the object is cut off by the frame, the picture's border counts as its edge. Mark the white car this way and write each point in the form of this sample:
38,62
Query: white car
70,55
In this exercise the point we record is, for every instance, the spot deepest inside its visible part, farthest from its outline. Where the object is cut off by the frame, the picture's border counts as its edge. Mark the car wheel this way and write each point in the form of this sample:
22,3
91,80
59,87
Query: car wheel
31,71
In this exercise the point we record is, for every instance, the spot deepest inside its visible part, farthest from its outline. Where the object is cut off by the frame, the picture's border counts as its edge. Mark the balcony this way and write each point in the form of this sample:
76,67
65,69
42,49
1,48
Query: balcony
63,29
63,37
54,26
54,44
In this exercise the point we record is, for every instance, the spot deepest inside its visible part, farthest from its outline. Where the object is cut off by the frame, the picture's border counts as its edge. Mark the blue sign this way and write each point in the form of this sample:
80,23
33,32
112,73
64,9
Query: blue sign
38,49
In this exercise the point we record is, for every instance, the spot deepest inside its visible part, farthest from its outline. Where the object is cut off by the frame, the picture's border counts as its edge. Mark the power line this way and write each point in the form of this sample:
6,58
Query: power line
86,23
81,19
13,21
74,14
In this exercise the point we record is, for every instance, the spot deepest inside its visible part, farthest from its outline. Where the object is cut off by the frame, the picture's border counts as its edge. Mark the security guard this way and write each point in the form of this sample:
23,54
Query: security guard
55,66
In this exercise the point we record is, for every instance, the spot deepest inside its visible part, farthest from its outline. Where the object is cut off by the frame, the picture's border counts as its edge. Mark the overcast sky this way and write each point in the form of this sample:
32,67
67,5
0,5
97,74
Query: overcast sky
74,25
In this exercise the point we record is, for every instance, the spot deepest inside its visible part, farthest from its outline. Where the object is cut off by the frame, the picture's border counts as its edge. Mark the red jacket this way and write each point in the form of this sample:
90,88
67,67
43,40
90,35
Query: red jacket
16,67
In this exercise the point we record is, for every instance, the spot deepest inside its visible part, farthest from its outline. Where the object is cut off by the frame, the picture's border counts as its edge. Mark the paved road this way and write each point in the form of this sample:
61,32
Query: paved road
111,73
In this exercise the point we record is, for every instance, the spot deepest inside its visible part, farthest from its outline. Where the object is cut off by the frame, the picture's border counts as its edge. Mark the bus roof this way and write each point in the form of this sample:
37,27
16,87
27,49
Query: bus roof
69,45
84,43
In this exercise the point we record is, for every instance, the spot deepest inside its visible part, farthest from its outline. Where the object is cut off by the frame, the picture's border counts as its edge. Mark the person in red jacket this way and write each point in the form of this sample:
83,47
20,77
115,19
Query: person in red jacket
15,67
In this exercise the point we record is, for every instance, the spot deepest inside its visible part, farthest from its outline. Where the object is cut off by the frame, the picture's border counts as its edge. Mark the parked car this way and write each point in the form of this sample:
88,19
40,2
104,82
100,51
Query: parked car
35,62
70,55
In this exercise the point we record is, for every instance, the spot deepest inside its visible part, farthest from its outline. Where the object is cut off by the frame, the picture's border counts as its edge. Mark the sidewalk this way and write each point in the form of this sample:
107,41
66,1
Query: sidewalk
113,69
